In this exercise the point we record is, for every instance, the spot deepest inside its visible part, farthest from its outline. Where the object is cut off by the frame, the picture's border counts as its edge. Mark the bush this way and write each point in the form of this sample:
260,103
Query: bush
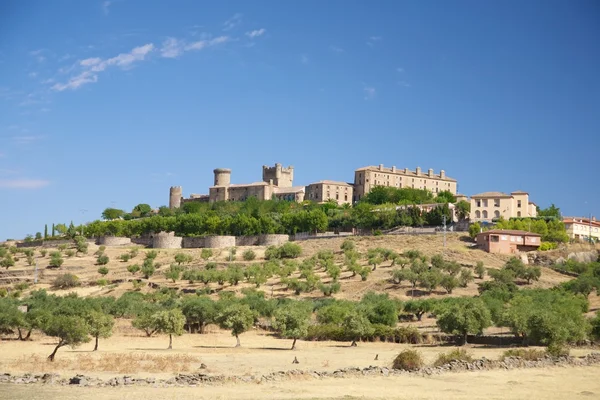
377,232
211,265
249,255
70,253
62,247
525,354
557,350
290,250
103,271
206,254
125,257
272,253
102,282
100,250
456,354
182,258
133,268
43,252
151,255
330,289
65,281
408,360
133,253
56,259
348,244
545,246
3,292
102,260
21,286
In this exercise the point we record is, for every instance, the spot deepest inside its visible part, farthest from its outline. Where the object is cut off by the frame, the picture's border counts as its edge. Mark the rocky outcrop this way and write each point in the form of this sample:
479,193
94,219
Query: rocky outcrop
198,379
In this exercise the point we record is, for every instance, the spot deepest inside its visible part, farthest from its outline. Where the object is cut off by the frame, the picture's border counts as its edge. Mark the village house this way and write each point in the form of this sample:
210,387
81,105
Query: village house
505,241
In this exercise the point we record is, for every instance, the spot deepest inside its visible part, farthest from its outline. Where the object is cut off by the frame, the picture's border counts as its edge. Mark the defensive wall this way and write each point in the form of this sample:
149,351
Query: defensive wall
113,241
166,240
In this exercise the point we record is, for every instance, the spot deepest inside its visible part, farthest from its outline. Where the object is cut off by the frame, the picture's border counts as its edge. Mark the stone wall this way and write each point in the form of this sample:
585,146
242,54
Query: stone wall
166,240
143,241
113,241
219,242
193,242
273,240
247,240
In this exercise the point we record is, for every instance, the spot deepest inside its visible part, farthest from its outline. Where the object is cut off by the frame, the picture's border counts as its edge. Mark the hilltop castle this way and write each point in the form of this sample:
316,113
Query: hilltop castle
277,183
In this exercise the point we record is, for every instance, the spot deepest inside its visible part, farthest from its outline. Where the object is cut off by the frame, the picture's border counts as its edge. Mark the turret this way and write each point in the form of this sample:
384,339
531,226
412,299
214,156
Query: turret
222,176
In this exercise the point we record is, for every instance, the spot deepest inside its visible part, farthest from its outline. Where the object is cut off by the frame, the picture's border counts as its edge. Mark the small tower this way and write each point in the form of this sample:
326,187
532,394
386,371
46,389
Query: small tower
222,176
175,194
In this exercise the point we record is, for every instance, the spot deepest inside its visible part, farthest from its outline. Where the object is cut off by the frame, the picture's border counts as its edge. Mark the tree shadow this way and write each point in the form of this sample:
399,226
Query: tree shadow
216,347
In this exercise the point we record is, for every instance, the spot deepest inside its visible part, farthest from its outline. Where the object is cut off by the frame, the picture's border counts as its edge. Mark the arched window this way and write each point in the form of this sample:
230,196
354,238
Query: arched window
496,214
518,213
485,214
477,214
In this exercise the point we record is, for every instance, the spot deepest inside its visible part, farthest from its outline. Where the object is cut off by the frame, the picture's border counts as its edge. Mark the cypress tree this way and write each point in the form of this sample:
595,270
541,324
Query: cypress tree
46,231
53,230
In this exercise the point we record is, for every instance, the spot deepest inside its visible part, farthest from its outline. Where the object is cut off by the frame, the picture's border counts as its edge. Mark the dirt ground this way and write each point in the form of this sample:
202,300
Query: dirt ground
550,383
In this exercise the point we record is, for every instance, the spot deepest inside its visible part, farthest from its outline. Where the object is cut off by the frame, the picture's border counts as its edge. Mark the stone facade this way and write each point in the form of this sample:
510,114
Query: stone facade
166,240
113,241
324,191
369,177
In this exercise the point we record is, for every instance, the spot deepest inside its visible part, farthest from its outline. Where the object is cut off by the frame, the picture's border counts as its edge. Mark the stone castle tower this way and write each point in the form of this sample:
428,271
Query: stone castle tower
222,176
175,195
281,177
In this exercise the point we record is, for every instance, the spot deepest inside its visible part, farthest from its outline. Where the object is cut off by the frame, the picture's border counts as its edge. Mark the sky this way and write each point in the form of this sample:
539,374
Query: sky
108,103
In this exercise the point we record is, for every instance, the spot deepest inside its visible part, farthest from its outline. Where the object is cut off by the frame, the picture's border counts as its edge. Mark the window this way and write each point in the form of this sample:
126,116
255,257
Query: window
485,214
518,213
518,203
346,198
496,202
477,214
337,196
485,202
478,203
497,214
494,238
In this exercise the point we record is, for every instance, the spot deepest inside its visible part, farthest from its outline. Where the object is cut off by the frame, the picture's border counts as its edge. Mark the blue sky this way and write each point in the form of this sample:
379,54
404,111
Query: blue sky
109,103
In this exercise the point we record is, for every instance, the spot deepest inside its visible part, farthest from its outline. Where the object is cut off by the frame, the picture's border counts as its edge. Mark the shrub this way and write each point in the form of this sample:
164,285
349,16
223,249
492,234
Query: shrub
182,258
348,244
377,232
557,350
103,271
65,281
272,253
56,259
525,354
408,360
70,253
62,247
102,260
100,250
133,268
21,286
7,261
151,255
137,285
3,292
211,265
148,268
125,257
43,252
249,255
330,289
480,270
102,282
456,354
133,253
290,250
545,246
206,254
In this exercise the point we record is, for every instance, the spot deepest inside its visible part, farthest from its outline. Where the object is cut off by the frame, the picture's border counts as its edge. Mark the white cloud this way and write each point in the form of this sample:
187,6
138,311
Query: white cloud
256,33
336,49
38,55
23,183
304,59
97,65
232,22
200,44
90,61
171,48
106,7
370,92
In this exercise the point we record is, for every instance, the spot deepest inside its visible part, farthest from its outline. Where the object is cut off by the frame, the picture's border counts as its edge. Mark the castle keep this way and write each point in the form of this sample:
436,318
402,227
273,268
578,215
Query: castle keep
277,183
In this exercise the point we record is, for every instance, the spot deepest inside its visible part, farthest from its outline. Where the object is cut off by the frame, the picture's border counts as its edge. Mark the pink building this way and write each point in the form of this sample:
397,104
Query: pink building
505,241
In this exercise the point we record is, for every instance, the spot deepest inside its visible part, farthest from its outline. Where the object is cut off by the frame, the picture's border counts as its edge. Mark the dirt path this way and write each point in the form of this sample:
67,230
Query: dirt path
551,383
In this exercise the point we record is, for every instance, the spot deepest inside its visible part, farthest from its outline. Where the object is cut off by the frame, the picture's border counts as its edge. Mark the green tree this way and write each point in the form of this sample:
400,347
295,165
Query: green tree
182,258
462,208
480,269
46,231
56,259
236,317
198,312
103,271
148,268
133,269
464,316
474,230
357,325
292,320
551,211
206,254
100,325
8,261
112,213
102,259
173,273
465,277
70,331
170,322
81,245
449,283
419,307
141,210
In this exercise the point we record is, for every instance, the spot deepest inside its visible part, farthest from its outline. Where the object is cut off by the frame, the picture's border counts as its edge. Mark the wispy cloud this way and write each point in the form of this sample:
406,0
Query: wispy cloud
93,66
201,44
373,39
336,49
171,48
26,139
23,183
32,74
304,59
106,7
38,55
370,92
232,22
256,33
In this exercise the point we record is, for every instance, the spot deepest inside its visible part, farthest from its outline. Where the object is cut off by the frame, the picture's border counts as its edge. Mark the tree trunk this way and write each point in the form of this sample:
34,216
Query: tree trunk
28,335
51,356
353,344
20,335
465,341
294,344
96,346
374,267
170,341
238,341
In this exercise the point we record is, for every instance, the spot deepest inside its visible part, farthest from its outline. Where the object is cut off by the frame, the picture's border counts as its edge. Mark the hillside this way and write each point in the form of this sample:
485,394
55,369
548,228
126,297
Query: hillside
458,249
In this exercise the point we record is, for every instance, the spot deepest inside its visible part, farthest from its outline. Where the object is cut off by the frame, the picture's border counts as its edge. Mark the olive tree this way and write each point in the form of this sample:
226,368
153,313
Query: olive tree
291,321
70,331
100,325
170,322
236,317
356,326
464,316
